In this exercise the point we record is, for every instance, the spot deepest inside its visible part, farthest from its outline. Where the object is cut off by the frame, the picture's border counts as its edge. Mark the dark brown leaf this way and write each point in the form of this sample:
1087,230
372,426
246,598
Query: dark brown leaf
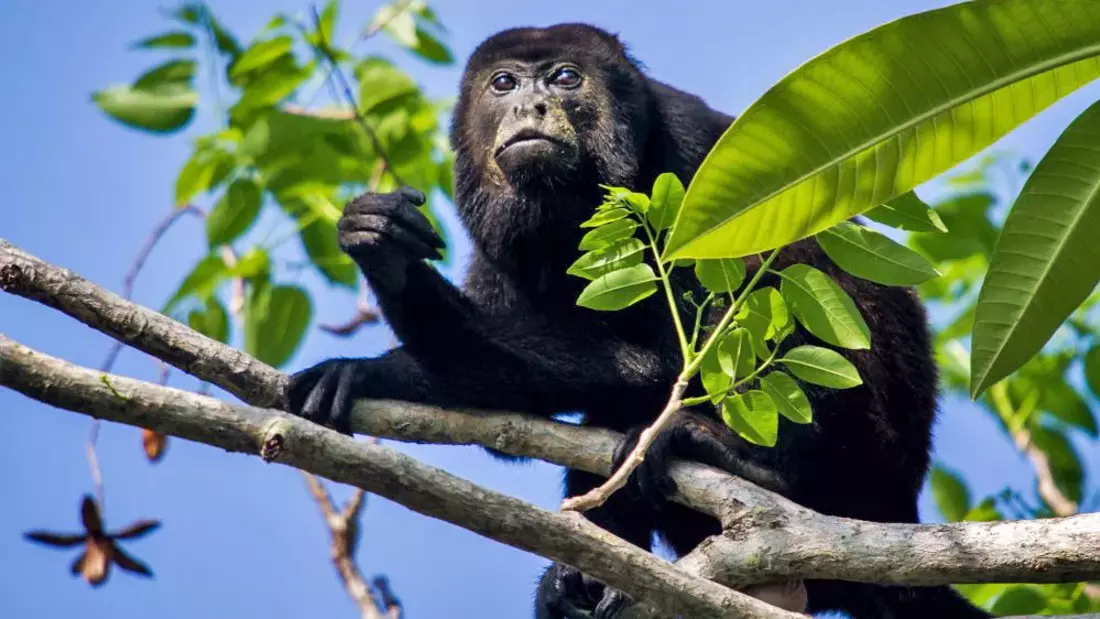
54,539
136,530
89,515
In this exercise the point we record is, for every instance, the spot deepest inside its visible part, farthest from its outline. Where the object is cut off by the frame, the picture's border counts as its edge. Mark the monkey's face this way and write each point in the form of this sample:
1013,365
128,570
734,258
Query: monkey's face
529,108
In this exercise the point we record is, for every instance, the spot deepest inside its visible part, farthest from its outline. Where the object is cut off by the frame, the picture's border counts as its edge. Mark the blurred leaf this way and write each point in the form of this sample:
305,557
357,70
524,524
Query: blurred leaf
618,255
720,276
197,14
753,416
169,40
380,82
259,55
158,112
873,256
668,196
201,282
211,321
986,511
235,212
619,289
969,230
823,307
789,398
1092,369
907,212
431,49
275,319
202,172
270,87
1047,260
951,494
821,366
1065,463
1019,600
255,263
327,22
607,234
879,114
167,77
319,240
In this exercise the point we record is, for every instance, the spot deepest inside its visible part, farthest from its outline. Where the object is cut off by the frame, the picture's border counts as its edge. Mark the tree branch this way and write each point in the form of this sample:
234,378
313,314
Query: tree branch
767,536
276,436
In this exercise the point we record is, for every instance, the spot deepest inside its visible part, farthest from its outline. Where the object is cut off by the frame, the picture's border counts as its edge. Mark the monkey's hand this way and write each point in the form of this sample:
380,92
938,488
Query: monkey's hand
385,232
566,593
325,393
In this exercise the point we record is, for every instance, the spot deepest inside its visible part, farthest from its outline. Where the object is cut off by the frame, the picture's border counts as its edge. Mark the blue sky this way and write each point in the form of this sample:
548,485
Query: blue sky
242,538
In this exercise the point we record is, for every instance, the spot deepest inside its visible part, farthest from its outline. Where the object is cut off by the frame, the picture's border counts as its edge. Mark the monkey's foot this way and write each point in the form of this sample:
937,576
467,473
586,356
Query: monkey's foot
566,593
324,393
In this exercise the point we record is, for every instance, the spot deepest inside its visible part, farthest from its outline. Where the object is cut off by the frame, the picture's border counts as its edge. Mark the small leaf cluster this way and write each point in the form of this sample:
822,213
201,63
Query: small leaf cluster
739,359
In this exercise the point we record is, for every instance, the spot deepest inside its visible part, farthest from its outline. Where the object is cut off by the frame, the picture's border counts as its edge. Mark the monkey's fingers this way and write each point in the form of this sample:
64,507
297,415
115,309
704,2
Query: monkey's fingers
404,212
367,233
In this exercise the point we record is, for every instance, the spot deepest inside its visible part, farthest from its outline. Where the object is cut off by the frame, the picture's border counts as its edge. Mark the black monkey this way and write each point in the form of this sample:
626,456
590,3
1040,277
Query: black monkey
544,116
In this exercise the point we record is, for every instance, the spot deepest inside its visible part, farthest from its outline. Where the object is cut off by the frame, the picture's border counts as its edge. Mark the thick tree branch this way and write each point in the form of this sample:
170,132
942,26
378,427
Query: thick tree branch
276,436
768,537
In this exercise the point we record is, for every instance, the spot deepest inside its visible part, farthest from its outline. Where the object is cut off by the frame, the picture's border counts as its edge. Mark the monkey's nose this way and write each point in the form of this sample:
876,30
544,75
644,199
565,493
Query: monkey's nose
540,107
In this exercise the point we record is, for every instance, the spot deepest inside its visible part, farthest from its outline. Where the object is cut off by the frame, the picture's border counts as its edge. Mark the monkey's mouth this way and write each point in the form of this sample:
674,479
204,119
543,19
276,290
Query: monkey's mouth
525,136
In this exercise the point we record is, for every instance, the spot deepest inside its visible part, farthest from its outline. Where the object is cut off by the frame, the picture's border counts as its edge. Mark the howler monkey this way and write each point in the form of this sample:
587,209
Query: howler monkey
546,115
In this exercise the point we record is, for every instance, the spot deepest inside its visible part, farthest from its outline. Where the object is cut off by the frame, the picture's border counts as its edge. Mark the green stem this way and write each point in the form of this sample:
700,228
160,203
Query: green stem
700,311
693,365
685,349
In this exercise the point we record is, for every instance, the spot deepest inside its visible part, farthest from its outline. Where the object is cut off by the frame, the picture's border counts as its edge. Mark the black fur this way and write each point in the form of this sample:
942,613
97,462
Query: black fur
514,339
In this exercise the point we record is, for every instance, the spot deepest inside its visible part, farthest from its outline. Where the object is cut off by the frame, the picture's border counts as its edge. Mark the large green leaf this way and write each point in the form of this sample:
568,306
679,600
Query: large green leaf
620,254
821,366
149,110
259,55
1047,260
381,81
201,282
907,212
877,115
211,321
754,416
722,275
874,256
619,289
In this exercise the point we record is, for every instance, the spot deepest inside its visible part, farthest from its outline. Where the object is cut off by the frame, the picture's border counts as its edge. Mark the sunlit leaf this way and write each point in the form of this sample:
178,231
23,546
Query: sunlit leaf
907,212
259,55
879,114
715,381
823,307
234,213
618,255
605,217
255,263
167,77
1047,260
158,112
789,398
665,202
821,366
607,234
201,282
764,313
211,321
874,256
168,40
381,81
951,494
202,172
722,275
619,289
735,354
753,416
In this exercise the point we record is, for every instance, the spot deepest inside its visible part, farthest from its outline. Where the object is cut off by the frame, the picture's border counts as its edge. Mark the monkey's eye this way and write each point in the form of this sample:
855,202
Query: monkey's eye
566,78
504,83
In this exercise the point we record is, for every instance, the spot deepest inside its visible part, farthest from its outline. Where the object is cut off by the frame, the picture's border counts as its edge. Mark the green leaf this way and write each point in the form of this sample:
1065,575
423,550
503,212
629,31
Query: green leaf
638,202
986,511
879,114
735,354
275,319
169,40
327,22
788,397
1019,600
715,381
823,307
1065,463
667,197
380,81
396,21
605,217
607,234
211,321
721,276
907,212
255,263
821,366
201,282
259,55
873,256
277,82
764,313
951,494
620,254
157,112
1092,370
171,76
619,289
202,172
1047,260
753,415
234,213
431,49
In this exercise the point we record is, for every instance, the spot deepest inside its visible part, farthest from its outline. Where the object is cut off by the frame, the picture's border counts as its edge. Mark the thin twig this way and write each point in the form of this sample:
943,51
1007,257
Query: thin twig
93,463
376,27
597,496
